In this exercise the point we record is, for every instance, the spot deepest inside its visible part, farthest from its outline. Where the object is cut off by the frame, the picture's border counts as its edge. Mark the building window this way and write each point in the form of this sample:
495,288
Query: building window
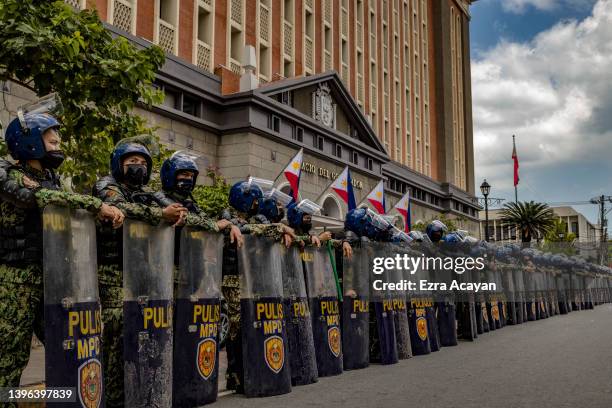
318,142
165,31
355,158
369,164
191,105
264,41
338,150
298,134
286,98
203,55
235,40
274,123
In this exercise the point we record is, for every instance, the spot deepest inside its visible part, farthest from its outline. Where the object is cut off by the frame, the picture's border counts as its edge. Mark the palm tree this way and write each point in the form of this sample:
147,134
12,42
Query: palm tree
531,219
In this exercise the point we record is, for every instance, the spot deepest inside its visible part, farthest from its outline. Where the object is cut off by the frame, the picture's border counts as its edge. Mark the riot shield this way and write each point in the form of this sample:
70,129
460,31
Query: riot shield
356,307
302,359
519,296
383,346
561,292
196,322
492,299
325,310
264,338
482,312
466,313
509,295
575,291
588,287
73,324
148,260
398,303
418,302
445,306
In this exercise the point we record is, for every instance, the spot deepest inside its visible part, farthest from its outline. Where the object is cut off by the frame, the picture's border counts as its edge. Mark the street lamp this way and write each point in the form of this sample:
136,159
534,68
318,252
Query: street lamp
485,189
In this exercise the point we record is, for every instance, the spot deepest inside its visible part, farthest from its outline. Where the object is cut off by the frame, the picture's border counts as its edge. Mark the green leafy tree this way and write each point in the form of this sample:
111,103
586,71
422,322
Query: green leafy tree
558,240
450,223
530,218
213,199
48,47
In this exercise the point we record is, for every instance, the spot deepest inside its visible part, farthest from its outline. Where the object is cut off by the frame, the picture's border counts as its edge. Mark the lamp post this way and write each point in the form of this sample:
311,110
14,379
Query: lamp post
485,189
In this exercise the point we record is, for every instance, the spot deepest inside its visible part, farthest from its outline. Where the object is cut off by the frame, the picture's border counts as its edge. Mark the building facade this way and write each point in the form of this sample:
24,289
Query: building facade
395,72
576,223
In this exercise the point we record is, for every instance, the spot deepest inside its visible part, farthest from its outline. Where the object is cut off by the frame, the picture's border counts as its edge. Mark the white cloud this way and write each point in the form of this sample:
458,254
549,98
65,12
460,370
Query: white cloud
520,6
554,93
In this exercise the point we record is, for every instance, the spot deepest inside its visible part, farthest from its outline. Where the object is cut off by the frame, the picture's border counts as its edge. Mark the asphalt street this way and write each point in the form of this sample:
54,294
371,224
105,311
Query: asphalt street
563,361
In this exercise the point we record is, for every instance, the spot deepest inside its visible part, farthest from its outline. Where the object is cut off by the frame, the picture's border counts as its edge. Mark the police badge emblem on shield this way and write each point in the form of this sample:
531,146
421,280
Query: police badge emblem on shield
333,339
90,383
274,353
421,325
206,356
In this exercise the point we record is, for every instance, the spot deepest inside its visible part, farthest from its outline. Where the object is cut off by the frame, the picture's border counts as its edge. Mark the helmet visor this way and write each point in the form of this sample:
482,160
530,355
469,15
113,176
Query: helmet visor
309,207
50,104
278,196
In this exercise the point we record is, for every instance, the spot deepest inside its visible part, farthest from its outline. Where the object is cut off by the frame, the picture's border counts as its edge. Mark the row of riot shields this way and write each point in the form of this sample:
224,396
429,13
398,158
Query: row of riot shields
301,317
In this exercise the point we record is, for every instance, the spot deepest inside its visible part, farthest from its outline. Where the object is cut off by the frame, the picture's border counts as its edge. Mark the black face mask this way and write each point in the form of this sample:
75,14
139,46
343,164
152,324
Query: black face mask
306,226
135,174
52,159
184,186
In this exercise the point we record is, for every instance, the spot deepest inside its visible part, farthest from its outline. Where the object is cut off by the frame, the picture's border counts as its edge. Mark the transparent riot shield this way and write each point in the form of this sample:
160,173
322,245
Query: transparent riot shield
509,294
519,284
538,289
355,307
445,306
588,289
560,283
431,273
196,322
148,259
73,325
499,315
575,291
383,344
325,310
398,299
264,336
492,298
482,312
466,312
419,301
302,358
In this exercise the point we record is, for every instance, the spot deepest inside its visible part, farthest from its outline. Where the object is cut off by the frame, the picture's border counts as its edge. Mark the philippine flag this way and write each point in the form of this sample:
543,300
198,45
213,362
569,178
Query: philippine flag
403,207
293,171
377,197
344,188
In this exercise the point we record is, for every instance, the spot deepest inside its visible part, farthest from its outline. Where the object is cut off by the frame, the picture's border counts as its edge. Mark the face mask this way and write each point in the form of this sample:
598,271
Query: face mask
184,186
135,174
52,159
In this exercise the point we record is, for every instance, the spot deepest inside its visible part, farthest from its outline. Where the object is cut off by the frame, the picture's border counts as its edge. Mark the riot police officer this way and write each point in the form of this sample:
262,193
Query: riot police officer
26,188
131,166
244,198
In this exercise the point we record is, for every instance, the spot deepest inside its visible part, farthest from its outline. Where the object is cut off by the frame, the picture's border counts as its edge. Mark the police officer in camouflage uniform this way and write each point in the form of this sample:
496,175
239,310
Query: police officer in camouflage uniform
131,166
244,198
179,174
25,189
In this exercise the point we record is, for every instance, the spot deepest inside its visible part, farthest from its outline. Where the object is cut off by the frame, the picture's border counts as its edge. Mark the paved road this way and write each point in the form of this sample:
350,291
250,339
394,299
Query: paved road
564,361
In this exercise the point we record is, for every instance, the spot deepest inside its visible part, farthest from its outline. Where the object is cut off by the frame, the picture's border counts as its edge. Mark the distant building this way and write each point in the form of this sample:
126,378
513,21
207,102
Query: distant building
576,223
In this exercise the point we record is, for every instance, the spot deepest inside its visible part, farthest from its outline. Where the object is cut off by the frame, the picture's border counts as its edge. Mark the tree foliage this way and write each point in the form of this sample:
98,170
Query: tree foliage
450,223
530,218
213,199
48,47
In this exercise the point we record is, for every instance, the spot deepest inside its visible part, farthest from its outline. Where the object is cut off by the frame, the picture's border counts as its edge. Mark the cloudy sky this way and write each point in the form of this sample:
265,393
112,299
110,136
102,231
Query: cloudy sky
542,70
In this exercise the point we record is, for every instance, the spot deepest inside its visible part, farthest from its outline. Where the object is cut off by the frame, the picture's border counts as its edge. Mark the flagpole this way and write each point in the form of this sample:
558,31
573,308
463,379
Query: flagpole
282,172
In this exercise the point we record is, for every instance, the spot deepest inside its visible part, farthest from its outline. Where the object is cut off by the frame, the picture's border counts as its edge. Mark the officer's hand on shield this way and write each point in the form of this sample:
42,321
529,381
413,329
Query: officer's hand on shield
111,214
174,213
236,236
325,236
347,250
288,235
314,240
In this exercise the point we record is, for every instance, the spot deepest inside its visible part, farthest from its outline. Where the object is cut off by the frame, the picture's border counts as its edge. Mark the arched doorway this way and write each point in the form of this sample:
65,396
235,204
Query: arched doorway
331,208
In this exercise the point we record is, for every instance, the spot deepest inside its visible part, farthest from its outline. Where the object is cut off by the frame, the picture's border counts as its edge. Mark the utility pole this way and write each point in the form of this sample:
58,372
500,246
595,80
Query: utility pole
601,201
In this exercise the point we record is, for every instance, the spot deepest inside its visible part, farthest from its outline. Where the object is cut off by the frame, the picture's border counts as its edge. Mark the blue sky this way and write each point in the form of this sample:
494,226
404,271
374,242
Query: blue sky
542,69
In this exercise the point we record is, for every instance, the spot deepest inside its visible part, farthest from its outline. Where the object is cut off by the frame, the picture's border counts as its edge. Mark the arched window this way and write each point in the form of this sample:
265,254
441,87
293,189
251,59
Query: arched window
331,208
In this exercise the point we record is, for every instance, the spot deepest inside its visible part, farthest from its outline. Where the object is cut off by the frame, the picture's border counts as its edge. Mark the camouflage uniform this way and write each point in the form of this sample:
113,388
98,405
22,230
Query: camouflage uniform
257,225
139,204
21,289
